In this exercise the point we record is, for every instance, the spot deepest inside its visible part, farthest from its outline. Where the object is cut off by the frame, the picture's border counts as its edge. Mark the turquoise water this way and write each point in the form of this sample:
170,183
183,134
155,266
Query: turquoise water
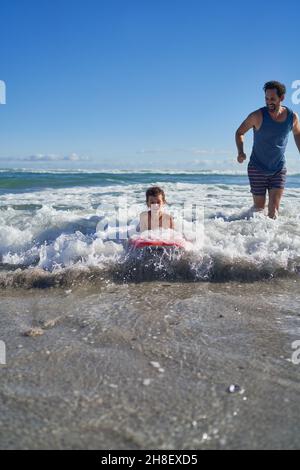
19,181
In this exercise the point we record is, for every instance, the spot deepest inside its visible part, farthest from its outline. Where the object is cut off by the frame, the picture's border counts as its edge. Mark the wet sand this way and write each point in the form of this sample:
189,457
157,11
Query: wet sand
148,366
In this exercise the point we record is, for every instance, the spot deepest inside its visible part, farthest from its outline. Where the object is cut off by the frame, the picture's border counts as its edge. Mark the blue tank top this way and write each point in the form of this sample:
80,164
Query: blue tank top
270,142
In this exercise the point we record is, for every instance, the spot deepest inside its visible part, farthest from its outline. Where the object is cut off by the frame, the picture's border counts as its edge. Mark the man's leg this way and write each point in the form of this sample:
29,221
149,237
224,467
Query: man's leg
275,195
259,203
258,183
276,186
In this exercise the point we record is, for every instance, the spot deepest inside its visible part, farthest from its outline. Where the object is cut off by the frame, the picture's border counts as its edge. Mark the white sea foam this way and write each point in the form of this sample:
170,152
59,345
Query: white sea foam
114,171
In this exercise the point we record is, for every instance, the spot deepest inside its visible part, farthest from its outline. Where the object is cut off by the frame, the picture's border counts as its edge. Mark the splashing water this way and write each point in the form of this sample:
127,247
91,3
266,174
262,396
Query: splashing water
61,235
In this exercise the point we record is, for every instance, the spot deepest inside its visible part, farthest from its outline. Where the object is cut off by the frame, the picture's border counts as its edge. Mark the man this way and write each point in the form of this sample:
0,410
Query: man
267,166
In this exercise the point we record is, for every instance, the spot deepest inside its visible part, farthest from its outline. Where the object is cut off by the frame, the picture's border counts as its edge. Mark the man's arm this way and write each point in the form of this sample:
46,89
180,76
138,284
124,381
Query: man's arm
249,123
296,130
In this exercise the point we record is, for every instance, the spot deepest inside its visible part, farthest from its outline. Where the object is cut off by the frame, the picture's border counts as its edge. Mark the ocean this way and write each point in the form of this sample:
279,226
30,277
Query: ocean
49,225
107,347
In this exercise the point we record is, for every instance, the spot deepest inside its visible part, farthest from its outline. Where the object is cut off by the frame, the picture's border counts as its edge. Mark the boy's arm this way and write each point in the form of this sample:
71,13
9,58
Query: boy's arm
249,123
172,224
143,225
296,130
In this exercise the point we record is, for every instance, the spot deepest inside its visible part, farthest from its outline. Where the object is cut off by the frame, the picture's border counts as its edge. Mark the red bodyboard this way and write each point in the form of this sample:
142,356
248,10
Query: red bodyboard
141,243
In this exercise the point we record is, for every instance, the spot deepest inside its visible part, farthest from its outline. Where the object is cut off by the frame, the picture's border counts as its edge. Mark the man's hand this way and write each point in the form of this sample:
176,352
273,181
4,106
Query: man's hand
251,122
241,157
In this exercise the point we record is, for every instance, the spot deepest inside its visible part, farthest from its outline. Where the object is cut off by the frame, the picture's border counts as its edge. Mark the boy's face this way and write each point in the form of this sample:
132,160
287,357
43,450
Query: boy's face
155,202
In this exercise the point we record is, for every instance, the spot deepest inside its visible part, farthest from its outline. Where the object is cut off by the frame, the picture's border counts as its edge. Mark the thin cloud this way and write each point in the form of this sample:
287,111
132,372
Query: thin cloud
73,157
191,150
143,151
212,151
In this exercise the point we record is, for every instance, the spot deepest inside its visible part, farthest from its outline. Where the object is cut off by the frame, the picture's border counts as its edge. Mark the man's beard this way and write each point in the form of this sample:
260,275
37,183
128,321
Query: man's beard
273,107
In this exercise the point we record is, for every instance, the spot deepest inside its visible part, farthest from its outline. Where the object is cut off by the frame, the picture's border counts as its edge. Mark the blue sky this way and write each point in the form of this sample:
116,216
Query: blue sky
139,84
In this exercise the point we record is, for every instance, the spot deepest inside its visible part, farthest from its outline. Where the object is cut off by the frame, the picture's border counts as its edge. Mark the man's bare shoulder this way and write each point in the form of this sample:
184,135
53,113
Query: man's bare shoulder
257,112
256,118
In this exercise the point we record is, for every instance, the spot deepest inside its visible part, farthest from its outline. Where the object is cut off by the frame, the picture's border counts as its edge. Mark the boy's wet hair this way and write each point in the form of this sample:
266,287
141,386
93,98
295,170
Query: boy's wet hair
155,191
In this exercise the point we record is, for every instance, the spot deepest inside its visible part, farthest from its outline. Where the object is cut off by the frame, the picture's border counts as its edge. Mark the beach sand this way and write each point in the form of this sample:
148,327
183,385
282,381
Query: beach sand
148,366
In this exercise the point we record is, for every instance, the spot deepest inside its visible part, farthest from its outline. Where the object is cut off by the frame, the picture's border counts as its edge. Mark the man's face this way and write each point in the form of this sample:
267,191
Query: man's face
272,100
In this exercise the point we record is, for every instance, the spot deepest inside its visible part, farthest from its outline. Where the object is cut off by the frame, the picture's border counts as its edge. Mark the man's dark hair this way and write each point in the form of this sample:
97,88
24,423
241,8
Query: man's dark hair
155,191
280,87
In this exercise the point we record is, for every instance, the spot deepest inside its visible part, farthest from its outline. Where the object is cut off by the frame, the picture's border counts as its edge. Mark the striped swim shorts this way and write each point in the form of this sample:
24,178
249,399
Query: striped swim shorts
260,182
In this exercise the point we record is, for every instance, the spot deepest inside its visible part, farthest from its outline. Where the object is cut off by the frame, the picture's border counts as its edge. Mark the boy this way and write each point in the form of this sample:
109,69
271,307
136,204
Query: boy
155,217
